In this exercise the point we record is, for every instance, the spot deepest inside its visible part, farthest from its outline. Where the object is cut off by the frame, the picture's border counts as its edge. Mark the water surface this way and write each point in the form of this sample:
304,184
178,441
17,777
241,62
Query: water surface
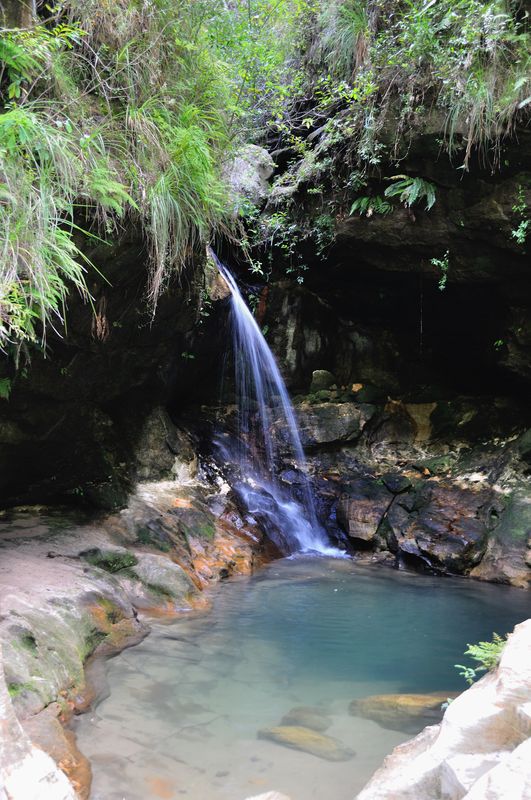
186,705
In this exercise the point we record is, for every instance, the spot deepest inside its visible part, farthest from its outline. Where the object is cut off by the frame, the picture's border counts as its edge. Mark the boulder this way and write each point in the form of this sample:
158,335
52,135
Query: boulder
321,379
402,712
249,173
330,423
317,744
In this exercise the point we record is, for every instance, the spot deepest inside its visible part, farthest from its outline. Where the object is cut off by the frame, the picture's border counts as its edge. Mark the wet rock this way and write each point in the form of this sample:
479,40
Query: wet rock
330,423
480,750
360,511
321,379
402,712
307,717
317,744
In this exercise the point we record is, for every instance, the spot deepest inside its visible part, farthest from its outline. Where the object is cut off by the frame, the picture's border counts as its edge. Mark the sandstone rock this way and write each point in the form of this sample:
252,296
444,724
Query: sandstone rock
307,717
401,712
460,773
46,732
309,741
26,773
269,796
509,780
482,722
360,511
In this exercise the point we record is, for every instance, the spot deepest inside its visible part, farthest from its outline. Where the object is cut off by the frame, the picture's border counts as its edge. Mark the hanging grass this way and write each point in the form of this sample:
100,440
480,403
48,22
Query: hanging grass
113,114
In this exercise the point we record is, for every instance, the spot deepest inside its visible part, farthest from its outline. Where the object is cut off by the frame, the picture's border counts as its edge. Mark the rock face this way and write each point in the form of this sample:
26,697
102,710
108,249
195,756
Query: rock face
481,748
300,738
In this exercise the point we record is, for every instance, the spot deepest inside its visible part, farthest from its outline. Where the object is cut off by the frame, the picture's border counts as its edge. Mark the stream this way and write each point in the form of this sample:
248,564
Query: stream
185,706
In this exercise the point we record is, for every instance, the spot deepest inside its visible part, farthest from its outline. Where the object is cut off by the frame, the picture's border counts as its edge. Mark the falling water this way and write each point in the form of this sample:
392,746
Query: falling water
265,416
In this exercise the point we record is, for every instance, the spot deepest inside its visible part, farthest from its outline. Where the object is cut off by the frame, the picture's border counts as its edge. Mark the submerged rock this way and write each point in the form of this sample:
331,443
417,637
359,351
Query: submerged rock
308,741
307,717
402,712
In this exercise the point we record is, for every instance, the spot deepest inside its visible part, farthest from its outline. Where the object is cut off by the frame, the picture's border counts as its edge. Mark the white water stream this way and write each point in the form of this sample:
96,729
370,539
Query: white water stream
267,426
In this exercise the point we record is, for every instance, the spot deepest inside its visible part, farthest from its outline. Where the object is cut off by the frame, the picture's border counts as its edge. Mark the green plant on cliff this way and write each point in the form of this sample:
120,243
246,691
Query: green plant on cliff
520,209
486,654
112,115
411,190
442,264
379,73
368,205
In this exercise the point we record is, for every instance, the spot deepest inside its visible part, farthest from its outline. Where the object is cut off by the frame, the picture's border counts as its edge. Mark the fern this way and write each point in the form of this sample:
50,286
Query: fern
109,193
369,205
486,654
411,190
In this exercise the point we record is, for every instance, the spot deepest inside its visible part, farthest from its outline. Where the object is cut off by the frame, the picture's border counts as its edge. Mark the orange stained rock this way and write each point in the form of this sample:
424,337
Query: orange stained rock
182,502
161,787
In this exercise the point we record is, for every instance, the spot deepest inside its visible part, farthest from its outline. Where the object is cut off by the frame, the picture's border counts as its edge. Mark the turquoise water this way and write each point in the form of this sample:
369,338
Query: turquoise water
185,706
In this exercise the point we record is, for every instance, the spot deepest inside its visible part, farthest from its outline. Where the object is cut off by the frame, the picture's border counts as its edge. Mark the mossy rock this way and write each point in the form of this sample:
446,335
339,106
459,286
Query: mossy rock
162,577
110,560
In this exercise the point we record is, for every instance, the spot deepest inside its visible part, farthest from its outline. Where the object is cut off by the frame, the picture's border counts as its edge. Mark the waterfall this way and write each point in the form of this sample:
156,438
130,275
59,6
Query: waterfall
267,424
